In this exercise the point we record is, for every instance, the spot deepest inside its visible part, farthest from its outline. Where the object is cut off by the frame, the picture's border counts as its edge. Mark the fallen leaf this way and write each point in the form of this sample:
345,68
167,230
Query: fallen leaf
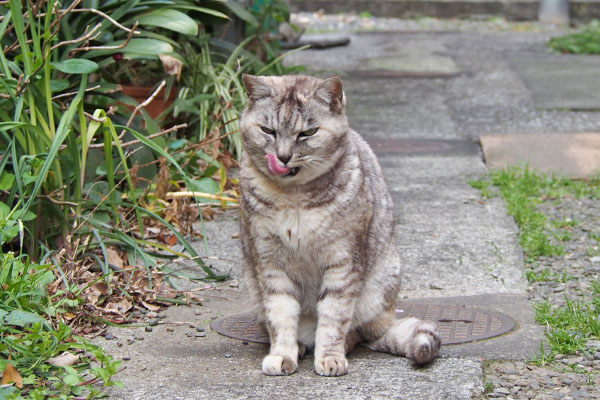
11,375
120,307
114,258
151,307
102,287
68,316
92,298
66,359
172,240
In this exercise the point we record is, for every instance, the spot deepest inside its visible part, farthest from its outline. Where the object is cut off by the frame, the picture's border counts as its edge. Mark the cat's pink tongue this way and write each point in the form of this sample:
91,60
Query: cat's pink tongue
274,167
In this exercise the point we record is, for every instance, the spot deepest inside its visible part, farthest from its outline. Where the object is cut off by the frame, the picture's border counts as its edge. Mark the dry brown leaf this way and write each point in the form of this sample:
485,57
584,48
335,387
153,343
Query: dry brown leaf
101,288
151,307
172,240
171,65
163,181
92,298
66,359
152,230
114,258
120,307
68,316
11,375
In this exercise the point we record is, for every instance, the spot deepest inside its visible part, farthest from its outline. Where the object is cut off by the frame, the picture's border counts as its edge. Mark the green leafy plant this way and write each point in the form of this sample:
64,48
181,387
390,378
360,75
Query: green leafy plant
587,41
46,148
39,350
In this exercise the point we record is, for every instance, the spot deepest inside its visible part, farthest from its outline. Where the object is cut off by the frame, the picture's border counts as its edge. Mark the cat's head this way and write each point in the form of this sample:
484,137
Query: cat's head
294,126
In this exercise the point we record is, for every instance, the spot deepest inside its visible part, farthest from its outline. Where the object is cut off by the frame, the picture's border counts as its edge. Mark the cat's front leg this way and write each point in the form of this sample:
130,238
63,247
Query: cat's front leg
282,311
334,312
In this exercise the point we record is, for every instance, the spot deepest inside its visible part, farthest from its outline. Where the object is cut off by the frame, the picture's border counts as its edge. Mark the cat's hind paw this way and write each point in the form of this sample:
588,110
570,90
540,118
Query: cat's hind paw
335,365
274,364
425,343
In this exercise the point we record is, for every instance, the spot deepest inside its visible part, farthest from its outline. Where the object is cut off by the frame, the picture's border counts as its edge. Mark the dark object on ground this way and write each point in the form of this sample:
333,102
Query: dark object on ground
317,44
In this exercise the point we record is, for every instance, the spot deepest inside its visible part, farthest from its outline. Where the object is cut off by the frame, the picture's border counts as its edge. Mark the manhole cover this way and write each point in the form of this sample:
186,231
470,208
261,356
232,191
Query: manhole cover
456,324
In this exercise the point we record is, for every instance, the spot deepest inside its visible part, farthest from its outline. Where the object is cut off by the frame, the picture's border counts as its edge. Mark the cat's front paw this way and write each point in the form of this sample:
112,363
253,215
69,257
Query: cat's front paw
274,364
335,365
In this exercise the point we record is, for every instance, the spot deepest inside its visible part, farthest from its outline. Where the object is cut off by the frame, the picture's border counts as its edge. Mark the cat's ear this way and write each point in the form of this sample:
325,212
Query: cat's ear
256,87
331,92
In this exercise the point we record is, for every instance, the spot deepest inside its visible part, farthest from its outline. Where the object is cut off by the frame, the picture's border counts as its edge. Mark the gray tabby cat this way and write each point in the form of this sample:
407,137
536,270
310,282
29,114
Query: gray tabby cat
317,231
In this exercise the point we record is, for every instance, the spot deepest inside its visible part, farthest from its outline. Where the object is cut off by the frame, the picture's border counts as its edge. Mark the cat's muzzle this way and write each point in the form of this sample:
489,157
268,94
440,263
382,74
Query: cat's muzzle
293,171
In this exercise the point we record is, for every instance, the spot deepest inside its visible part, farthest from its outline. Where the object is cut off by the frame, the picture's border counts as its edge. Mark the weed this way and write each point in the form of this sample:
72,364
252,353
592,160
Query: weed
488,388
592,251
28,338
569,326
544,357
484,186
587,41
546,275
522,189
565,223
543,276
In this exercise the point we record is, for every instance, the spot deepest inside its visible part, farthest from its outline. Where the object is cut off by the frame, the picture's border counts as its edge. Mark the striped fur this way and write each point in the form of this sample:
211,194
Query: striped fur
319,258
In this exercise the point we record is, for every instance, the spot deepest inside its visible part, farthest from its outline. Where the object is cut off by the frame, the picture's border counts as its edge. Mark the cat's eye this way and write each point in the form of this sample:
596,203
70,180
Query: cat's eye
268,131
309,132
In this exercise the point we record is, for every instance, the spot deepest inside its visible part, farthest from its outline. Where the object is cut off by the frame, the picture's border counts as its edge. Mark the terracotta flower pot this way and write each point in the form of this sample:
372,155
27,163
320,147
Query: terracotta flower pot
157,105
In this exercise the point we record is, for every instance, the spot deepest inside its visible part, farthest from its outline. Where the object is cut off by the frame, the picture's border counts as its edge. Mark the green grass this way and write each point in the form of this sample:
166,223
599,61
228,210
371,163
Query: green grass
546,275
569,326
587,41
543,276
522,189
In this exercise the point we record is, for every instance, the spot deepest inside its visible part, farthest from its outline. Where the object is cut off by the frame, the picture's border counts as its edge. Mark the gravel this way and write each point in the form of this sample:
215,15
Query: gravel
569,275
575,269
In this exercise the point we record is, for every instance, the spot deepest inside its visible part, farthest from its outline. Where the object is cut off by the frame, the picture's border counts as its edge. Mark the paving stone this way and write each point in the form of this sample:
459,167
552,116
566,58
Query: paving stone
561,81
576,155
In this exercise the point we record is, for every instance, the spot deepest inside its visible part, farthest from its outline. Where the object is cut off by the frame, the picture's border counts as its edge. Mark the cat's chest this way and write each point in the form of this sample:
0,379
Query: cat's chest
299,228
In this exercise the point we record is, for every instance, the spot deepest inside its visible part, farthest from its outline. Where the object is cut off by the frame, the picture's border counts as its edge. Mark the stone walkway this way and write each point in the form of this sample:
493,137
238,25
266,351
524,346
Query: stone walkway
455,248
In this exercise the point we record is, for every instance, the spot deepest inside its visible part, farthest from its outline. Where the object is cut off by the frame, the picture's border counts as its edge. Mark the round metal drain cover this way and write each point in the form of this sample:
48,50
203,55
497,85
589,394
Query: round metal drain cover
456,324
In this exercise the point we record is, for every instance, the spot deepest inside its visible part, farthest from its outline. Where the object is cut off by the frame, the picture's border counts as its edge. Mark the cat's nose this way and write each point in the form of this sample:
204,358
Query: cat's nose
284,158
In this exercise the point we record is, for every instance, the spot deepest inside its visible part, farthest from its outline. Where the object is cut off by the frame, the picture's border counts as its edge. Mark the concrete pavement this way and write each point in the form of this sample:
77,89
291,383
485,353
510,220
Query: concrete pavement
455,248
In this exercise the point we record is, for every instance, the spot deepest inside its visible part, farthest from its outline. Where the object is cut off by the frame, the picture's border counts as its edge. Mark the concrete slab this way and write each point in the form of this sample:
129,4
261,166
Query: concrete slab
172,365
420,147
560,81
399,108
450,243
397,51
576,155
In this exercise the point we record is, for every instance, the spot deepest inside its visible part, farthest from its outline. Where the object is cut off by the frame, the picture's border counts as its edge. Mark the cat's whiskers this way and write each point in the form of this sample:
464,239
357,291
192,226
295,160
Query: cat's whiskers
318,162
